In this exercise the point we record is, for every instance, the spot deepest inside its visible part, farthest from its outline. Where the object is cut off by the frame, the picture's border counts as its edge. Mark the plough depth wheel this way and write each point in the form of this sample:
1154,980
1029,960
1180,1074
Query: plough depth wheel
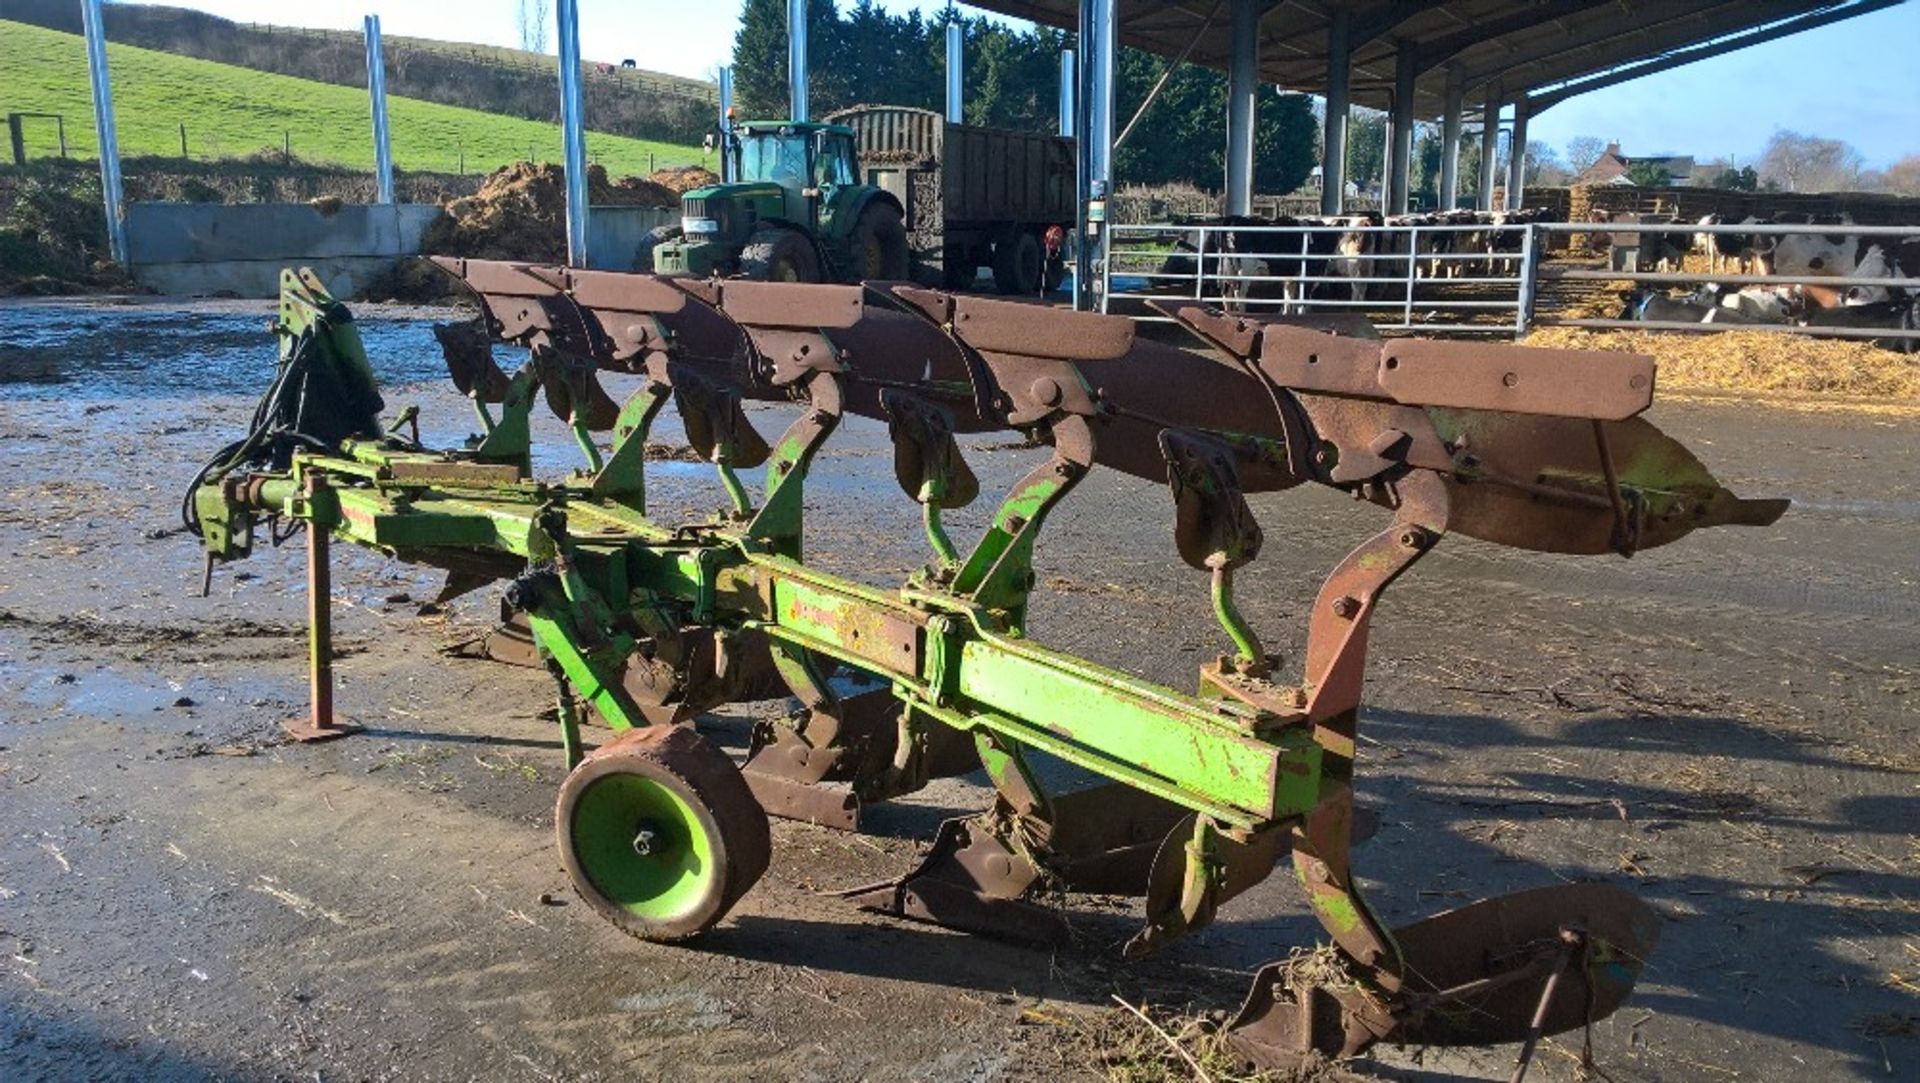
660,834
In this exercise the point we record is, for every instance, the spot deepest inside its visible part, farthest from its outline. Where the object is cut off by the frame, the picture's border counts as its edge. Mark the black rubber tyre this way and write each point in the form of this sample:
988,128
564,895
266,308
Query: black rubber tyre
878,245
1016,264
958,268
659,235
660,834
779,255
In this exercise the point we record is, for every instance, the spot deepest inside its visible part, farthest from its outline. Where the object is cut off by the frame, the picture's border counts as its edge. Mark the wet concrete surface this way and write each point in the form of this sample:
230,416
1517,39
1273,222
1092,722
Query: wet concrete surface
1726,726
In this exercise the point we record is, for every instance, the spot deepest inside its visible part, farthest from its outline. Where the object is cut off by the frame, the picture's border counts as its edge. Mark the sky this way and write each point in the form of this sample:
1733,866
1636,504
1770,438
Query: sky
1857,80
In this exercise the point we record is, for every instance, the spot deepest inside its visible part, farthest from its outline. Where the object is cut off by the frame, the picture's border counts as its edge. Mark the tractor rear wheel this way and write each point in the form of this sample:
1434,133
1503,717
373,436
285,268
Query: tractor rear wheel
879,245
660,834
779,255
1016,264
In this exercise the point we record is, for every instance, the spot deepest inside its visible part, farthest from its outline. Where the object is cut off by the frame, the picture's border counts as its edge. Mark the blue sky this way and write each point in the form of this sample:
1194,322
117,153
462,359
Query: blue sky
1858,80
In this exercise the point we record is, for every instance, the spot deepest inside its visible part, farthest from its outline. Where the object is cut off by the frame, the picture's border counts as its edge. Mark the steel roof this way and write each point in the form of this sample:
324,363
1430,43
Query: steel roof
1551,47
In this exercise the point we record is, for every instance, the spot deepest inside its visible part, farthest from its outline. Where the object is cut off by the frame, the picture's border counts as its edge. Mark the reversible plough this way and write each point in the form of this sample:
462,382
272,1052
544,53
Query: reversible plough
650,624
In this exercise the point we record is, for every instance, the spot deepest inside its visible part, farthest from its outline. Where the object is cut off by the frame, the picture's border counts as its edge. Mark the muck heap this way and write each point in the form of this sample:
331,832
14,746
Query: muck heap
648,624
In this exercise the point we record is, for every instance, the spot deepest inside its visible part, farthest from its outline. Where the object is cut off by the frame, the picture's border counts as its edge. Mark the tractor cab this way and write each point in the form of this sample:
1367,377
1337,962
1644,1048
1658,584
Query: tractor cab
791,206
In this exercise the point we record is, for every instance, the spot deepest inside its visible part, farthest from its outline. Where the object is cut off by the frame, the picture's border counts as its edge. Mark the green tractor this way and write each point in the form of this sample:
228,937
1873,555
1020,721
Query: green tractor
792,209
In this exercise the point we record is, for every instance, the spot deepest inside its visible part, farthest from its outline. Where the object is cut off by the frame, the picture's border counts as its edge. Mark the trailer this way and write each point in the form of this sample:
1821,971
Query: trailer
974,196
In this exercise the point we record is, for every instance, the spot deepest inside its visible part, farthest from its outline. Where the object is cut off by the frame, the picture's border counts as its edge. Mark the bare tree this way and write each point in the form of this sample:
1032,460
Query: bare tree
1902,177
1809,163
1543,165
533,24
1583,151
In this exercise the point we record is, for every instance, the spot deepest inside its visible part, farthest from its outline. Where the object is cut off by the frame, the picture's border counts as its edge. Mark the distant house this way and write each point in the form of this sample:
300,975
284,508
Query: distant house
1612,167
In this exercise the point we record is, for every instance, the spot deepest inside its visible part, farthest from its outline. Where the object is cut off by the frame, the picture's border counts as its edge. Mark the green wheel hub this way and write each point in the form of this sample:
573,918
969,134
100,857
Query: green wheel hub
643,846
659,833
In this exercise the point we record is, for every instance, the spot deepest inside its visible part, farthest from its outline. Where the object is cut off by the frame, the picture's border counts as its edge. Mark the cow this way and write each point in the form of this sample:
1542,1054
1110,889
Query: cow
1351,251
1763,304
1902,314
1654,307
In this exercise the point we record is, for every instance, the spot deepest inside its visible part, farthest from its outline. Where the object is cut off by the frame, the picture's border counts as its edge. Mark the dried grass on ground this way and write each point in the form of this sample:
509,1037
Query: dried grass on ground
1757,361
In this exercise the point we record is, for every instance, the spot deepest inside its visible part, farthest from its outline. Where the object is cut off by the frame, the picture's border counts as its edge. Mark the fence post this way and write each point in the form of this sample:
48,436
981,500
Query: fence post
1523,308
1200,267
183,141
1413,265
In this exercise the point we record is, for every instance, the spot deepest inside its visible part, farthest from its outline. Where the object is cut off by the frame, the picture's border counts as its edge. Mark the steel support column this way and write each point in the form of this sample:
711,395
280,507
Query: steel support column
105,131
1098,37
573,130
797,59
956,73
1386,157
1406,66
726,108
1333,142
1243,90
1517,156
1066,93
1450,142
377,98
1489,146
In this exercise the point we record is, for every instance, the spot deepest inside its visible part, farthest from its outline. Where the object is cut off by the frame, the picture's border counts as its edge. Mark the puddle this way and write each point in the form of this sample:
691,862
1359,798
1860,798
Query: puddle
95,352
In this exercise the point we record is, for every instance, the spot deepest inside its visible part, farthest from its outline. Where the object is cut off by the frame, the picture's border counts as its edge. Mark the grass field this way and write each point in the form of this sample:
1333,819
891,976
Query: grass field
233,112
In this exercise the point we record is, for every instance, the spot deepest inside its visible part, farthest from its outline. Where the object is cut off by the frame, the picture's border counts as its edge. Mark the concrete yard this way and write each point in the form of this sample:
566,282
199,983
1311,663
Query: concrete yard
1728,726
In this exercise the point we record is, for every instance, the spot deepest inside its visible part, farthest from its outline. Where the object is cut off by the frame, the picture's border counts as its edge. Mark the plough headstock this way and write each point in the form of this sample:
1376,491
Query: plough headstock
653,624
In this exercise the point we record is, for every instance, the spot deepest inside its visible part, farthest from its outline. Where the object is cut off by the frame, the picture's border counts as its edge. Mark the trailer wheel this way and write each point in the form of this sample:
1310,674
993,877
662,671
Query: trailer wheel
1016,264
779,255
660,834
879,245
659,235
958,268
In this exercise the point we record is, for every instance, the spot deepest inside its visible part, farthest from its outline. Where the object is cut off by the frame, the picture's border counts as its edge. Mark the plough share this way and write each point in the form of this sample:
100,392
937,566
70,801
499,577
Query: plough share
649,624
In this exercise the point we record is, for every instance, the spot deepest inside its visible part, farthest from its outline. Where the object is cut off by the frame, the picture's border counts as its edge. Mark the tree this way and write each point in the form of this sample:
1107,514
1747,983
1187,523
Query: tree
533,24
1543,165
1284,143
1366,147
760,60
1737,180
1649,175
1902,177
1809,163
1583,151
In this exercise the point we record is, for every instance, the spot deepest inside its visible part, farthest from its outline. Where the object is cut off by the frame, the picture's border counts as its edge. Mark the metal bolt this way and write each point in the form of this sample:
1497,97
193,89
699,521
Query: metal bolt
1345,607
1047,391
1413,538
645,839
1510,379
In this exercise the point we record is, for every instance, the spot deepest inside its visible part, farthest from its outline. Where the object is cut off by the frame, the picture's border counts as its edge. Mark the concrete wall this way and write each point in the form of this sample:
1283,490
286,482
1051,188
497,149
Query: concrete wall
211,248
614,233
200,249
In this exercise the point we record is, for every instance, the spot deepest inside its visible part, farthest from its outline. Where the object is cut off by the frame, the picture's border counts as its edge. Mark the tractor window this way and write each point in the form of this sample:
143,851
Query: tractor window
781,159
836,162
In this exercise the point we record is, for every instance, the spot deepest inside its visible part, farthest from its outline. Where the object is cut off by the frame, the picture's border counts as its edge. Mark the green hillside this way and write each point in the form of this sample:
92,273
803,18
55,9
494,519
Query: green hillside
235,112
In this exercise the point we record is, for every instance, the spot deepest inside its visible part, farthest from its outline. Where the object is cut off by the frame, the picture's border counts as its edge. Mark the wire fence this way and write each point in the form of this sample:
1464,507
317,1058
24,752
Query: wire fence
1433,277
1835,280
515,60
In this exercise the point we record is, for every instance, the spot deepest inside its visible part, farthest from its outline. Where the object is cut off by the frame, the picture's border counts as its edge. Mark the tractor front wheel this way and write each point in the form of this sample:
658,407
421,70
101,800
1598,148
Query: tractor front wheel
660,834
879,245
779,255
